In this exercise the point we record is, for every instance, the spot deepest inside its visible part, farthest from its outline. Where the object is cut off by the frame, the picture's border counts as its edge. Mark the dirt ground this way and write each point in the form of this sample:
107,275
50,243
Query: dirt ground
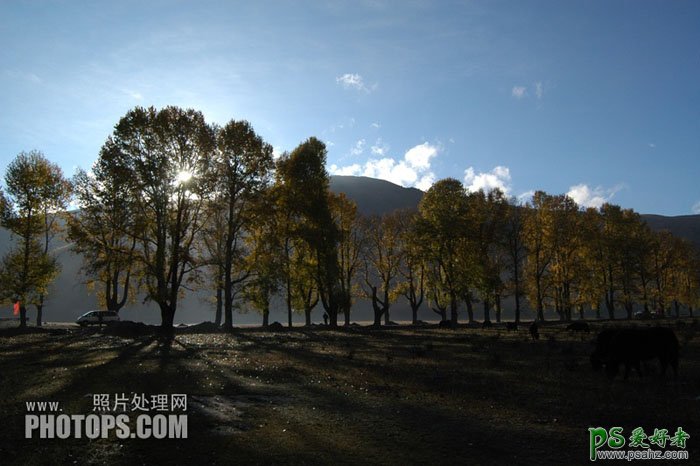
350,396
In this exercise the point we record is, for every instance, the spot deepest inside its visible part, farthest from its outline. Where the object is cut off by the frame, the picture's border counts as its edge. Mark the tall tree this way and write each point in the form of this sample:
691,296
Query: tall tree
443,226
37,194
514,244
168,156
241,170
303,182
102,231
264,260
563,240
487,214
536,226
411,283
382,258
350,245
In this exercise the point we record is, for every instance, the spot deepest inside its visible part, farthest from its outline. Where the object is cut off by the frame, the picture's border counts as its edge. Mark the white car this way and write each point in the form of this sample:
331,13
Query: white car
97,317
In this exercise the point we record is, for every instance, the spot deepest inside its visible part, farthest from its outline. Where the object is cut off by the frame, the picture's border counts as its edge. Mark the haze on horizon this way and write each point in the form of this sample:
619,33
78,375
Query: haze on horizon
596,99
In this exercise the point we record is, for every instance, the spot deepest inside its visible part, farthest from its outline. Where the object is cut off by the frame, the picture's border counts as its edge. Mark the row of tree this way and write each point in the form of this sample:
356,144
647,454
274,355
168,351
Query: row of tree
174,204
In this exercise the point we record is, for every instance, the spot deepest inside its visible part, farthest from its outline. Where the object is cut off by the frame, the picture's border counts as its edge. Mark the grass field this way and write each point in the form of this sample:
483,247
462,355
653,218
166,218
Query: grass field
357,396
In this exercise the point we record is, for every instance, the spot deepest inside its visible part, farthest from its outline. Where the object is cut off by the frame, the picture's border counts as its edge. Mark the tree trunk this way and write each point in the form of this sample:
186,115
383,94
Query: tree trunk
289,309
266,317
22,316
346,313
167,315
228,301
453,309
487,310
498,308
307,316
377,317
470,308
378,310
387,318
677,308
414,314
39,313
219,306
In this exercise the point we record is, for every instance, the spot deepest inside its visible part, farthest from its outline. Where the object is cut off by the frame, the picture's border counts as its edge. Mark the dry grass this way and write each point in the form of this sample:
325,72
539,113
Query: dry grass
358,396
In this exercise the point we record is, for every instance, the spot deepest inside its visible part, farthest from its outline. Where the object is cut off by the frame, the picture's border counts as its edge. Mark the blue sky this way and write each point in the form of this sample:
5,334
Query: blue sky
599,99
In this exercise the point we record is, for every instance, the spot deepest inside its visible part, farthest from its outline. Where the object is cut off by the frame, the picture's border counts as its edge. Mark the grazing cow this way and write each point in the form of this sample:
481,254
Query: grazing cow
632,346
534,330
511,326
486,324
578,327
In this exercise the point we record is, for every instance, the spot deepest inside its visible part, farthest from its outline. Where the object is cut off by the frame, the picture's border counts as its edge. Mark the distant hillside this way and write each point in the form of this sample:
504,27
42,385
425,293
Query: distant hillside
378,196
683,226
375,196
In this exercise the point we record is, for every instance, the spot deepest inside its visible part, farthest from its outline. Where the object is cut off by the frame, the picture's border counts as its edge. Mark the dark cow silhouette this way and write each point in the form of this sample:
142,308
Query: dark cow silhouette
486,324
511,326
534,330
579,327
632,346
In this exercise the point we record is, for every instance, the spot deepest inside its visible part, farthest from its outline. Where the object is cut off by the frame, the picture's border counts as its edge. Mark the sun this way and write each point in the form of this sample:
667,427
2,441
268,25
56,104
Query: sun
183,177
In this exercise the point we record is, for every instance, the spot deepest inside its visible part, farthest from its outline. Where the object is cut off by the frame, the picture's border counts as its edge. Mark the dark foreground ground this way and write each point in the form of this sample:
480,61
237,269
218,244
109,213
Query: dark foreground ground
358,396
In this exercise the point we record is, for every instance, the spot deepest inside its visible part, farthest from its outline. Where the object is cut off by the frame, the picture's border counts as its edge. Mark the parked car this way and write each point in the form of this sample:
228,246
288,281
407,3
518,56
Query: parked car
97,317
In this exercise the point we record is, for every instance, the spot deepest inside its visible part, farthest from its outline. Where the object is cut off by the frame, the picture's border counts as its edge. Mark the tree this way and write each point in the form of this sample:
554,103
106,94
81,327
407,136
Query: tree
350,245
538,258
382,258
167,158
37,194
513,242
241,170
487,215
102,231
442,229
303,286
563,240
412,266
303,184
264,261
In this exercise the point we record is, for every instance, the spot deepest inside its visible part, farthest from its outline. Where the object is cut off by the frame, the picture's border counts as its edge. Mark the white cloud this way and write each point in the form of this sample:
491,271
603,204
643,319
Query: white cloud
412,170
351,170
539,89
277,152
652,145
696,208
525,197
499,178
376,125
133,94
358,148
586,196
379,148
354,81
419,156
426,182
519,92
